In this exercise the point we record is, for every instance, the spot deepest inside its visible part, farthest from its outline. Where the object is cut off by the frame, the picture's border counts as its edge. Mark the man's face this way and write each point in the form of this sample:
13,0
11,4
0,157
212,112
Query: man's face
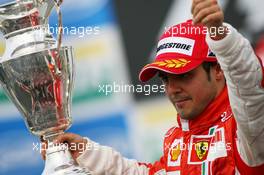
190,92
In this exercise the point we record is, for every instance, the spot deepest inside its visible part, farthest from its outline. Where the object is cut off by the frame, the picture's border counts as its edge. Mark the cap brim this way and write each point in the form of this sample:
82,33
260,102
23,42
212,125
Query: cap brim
172,66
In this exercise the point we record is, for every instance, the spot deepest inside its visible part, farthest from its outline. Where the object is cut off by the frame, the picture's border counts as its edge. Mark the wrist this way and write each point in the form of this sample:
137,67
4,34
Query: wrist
218,33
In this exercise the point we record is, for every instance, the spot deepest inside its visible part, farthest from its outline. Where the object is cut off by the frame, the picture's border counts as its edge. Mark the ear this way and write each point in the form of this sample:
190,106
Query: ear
219,74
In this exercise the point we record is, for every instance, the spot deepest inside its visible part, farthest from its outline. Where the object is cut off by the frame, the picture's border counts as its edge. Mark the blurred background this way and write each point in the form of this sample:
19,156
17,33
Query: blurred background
113,40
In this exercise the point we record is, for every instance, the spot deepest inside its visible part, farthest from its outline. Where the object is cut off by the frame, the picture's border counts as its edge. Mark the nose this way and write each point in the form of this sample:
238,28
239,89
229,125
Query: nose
173,85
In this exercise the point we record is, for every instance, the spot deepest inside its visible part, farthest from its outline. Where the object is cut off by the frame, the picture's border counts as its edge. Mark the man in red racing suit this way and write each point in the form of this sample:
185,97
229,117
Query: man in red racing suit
220,122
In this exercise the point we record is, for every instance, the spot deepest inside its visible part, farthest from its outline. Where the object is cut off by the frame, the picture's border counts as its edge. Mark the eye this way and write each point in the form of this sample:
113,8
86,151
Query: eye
185,75
163,78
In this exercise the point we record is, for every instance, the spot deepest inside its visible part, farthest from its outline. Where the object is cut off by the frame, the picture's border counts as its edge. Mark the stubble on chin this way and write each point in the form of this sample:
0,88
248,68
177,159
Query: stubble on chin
185,116
181,113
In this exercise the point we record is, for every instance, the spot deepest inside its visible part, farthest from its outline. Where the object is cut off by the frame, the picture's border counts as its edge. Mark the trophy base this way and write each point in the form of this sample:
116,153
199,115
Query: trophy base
73,170
59,162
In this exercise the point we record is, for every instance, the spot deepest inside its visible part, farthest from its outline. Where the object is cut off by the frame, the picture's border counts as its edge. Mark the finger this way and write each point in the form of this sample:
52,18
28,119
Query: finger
210,19
202,5
67,137
205,12
194,3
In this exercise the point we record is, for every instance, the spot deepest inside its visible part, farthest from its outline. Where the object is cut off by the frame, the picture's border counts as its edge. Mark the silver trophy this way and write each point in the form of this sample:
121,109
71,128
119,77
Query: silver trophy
36,73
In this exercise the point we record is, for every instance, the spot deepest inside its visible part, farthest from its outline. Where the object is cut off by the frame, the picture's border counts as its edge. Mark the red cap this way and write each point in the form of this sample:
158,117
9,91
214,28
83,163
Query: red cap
180,49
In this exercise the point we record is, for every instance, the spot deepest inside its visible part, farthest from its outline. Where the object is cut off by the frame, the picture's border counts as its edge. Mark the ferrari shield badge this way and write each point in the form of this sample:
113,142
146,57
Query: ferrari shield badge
201,149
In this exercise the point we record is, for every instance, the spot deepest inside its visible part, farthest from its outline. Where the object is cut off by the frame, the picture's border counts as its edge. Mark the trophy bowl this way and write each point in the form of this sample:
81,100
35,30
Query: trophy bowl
40,85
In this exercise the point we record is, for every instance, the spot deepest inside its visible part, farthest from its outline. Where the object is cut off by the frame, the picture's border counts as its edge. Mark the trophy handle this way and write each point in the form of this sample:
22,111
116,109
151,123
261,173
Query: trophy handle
3,80
45,8
50,5
1,74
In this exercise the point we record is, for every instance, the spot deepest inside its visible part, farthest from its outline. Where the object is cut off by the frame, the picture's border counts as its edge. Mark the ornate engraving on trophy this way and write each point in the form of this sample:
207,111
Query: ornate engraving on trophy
39,90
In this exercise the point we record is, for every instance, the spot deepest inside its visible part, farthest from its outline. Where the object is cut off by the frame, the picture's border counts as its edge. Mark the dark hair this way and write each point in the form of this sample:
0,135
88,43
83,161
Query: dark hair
207,66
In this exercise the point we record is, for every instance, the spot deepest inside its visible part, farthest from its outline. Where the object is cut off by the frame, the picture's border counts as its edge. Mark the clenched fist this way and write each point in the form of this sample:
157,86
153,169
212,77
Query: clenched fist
76,144
210,14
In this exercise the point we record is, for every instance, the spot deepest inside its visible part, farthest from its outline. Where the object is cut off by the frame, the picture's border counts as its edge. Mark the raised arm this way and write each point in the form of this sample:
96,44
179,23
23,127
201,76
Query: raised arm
244,77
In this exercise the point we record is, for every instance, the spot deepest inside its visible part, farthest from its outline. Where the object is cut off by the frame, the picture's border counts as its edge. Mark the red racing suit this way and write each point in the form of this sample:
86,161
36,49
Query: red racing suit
206,145
227,138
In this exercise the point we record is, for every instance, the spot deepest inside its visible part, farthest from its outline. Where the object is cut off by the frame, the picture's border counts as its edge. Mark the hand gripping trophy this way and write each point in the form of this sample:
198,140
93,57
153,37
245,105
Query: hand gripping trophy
37,75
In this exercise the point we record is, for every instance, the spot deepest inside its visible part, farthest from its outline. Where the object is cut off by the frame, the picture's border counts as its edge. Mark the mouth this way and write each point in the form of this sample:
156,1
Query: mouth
181,103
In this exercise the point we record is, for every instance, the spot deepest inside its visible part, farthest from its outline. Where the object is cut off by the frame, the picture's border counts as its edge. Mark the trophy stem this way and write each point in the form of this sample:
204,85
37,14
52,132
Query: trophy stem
51,136
59,160
57,157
